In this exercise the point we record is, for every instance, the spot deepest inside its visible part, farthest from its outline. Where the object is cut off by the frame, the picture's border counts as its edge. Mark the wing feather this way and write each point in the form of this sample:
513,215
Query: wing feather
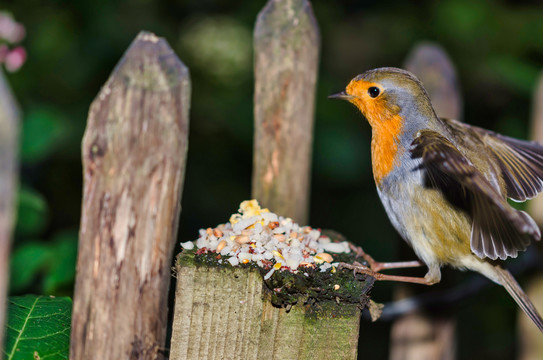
520,162
498,230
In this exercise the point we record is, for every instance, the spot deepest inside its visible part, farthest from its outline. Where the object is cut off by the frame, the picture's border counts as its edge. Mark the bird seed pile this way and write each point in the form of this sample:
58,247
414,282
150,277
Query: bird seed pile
256,235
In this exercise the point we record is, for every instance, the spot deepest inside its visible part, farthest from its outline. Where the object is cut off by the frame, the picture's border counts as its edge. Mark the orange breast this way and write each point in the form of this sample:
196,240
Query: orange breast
386,126
384,147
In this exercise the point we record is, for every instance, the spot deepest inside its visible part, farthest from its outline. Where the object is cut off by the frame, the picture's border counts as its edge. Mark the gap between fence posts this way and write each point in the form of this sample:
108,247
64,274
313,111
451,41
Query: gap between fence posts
9,135
134,152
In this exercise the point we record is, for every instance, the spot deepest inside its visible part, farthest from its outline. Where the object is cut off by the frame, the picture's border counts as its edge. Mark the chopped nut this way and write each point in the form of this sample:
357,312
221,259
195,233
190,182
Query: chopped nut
293,235
272,225
218,233
242,239
323,257
280,237
221,245
209,231
247,232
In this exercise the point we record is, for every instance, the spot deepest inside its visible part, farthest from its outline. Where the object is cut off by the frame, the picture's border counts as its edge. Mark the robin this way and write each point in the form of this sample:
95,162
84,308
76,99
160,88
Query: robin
444,184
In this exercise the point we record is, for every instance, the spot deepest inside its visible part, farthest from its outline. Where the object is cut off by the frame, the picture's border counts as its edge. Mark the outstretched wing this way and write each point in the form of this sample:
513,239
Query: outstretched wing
521,162
498,230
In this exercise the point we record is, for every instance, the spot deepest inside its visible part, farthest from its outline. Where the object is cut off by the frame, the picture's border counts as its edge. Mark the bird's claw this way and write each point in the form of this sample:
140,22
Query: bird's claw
358,268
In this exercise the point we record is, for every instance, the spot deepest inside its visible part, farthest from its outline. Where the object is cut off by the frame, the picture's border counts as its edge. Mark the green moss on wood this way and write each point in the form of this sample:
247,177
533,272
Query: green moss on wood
319,292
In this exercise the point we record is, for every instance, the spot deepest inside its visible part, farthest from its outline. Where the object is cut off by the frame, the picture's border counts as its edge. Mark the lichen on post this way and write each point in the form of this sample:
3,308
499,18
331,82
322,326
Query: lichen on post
134,152
286,47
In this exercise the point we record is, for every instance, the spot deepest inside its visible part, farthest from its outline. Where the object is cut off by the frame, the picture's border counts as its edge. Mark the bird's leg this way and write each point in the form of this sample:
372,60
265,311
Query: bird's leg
359,268
378,266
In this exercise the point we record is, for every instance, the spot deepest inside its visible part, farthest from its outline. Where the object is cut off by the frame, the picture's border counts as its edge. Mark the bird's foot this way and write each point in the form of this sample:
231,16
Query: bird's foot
377,266
358,268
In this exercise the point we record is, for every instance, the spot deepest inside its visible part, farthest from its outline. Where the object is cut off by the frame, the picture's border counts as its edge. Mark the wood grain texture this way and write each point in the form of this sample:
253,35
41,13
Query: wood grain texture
421,335
223,313
9,132
134,151
530,344
286,45
535,206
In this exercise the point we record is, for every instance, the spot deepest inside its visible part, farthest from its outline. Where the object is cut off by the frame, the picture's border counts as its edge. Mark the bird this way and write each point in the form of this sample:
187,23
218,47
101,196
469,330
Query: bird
444,184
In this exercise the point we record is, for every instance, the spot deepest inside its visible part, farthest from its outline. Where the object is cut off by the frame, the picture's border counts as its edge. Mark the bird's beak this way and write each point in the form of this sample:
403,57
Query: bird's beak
342,96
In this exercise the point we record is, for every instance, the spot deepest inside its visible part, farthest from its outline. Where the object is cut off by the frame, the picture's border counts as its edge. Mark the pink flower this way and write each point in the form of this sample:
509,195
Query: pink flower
10,30
15,59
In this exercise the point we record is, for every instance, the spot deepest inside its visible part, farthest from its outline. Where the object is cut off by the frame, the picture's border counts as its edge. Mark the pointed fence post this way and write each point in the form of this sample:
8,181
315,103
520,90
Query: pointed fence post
9,132
286,43
531,346
417,335
431,64
224,312
134,152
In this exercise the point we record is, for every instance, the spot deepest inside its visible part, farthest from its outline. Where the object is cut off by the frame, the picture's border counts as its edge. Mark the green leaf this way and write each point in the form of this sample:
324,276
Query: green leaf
51,262
31,212
38,327
27,261
61,272
43,131
519,74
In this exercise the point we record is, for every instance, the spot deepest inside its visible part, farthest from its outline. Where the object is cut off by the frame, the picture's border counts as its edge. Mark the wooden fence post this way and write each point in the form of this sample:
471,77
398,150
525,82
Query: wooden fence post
416,335
286,44
531,346
225,312
9,132
134,152
430,63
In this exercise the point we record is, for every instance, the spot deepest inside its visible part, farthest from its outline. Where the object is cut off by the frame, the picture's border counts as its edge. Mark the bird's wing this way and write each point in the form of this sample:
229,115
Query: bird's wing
498,230
521,162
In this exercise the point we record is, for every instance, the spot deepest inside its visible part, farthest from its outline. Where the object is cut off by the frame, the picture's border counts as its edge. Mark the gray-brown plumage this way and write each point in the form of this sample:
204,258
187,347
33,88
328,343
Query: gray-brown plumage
445,184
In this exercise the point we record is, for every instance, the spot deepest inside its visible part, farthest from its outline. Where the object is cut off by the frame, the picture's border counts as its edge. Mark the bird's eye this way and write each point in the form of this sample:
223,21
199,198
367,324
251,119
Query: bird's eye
374,91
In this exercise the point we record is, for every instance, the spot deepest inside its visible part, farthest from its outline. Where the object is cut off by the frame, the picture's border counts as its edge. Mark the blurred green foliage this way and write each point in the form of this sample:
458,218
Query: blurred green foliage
72,47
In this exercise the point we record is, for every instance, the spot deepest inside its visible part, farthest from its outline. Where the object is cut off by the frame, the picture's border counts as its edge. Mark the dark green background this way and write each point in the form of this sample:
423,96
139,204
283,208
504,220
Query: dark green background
72,47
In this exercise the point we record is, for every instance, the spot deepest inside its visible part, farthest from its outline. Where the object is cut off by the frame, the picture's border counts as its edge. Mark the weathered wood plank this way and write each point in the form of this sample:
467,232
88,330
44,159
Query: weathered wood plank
535,206
134,152
530,346
9,132
224,313
286,45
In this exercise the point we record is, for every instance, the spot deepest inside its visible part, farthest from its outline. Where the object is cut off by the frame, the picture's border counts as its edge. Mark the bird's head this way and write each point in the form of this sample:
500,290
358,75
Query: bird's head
384,93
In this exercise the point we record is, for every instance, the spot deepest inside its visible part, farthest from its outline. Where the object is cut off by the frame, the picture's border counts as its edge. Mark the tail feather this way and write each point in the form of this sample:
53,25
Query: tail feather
514,289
